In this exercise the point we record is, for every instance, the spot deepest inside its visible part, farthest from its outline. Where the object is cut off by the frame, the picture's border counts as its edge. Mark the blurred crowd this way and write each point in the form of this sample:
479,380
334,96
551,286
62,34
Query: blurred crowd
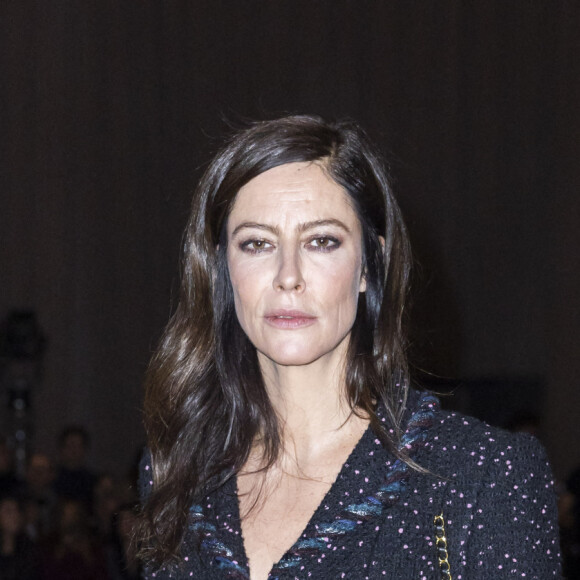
62,521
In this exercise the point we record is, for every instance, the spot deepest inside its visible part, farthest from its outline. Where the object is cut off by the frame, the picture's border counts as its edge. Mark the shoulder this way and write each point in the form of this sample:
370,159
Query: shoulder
465,447
495,492
457,446
491,466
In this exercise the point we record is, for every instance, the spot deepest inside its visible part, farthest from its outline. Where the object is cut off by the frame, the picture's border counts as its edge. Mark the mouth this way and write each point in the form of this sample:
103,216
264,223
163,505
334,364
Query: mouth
289,319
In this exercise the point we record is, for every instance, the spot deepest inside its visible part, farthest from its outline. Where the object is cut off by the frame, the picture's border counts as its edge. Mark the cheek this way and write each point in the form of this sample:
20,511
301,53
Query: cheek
341,288
245,281
343,280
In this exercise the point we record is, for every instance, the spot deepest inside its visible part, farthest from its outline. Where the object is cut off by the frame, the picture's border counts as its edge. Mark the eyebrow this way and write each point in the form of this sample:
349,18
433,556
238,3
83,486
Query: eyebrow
301,227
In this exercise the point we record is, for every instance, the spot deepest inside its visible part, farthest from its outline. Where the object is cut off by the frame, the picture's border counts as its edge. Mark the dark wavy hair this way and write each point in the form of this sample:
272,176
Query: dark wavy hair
205,401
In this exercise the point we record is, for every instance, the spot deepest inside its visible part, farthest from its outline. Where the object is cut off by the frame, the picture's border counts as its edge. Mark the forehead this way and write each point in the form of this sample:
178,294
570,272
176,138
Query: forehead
302,189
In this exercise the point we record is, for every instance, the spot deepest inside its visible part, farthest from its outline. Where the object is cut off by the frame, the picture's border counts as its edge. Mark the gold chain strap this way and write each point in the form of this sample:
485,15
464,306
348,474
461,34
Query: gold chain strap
441,545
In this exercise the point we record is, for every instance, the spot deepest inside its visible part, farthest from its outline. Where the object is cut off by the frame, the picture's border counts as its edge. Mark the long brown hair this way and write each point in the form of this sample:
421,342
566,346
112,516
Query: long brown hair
205,400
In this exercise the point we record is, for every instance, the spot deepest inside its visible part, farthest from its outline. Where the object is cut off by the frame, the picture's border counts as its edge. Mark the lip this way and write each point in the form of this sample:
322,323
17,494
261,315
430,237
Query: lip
289,319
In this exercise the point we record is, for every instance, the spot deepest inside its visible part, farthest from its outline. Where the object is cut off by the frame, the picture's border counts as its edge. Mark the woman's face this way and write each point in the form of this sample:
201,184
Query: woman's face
295,264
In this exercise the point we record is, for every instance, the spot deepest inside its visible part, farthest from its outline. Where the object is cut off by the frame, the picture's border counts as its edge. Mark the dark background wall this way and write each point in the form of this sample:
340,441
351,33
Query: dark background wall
110,109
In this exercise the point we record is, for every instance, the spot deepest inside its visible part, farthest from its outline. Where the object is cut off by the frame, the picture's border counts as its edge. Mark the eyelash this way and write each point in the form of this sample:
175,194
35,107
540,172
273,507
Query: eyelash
334,243
246,246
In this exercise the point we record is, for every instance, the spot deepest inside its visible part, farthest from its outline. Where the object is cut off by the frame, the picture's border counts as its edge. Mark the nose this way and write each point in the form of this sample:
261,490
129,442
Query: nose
289,274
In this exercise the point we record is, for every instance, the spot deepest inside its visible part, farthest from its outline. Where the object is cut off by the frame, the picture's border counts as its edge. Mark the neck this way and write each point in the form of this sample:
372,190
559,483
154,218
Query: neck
311,403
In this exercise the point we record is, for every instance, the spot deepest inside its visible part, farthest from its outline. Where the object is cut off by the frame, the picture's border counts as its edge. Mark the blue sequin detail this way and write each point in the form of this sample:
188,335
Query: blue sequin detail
311,543
217,547
202,527
233,570
372,507
196,512
338,527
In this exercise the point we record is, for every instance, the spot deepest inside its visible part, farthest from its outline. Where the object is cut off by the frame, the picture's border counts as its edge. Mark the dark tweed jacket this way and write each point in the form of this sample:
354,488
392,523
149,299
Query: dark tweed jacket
486,510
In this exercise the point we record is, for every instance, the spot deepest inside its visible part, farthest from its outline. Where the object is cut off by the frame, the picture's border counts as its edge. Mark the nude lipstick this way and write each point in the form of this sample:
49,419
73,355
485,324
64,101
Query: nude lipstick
289,319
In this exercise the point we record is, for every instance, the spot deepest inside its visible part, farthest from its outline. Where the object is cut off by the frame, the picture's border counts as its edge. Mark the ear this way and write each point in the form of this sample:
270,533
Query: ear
363,281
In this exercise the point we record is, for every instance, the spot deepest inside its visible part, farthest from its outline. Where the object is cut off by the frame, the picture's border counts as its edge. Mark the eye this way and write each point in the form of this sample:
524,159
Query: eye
324,243
255,246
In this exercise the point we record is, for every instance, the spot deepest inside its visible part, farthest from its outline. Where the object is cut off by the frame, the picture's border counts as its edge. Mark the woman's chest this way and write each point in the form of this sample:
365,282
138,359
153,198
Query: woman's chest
272,525
400,543
345,538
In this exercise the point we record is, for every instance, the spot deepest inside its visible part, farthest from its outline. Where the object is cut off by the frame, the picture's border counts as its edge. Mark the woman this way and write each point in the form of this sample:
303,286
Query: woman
284,439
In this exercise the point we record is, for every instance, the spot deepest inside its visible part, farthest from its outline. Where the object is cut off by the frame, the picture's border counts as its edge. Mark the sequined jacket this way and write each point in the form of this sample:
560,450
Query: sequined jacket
486,510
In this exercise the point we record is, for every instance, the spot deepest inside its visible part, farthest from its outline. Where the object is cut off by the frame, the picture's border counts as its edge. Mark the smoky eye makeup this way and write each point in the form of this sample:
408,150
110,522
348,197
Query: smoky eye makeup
323,242
254,245
316,243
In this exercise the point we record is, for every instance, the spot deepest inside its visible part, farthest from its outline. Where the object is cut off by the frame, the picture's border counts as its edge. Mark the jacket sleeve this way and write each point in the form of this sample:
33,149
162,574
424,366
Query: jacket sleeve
513,531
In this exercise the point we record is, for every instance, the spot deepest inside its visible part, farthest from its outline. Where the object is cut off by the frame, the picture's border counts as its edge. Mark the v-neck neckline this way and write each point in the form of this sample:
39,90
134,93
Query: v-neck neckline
329,502
370,481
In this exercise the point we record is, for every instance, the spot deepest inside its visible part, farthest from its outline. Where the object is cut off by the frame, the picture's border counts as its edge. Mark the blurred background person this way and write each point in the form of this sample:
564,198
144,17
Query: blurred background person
74,480
9,483
18,556
106,502
73,552
40,495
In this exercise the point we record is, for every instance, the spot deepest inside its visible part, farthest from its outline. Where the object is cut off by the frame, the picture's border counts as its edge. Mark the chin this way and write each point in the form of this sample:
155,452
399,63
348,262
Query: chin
290,359
293,354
